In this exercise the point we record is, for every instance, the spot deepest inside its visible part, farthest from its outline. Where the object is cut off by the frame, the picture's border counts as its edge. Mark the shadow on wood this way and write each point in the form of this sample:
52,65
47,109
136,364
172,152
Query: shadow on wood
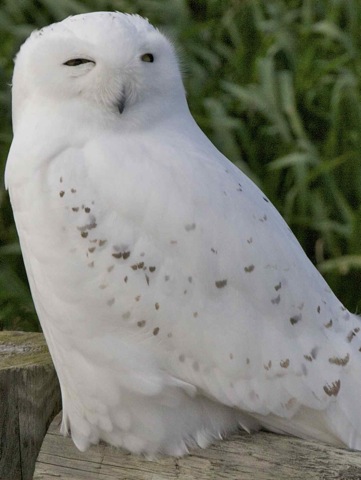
261,456
29,399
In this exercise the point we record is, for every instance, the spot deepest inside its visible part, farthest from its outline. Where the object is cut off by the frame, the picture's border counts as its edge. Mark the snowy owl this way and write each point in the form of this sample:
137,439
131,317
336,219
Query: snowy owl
176,302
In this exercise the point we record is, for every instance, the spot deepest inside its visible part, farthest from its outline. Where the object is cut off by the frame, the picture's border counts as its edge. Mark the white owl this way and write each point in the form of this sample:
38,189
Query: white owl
176,303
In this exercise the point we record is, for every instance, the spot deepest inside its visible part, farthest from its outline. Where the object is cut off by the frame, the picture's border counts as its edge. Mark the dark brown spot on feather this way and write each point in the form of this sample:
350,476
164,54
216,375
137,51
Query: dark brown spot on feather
285,363
278,286
352,334
340,361
221,283
156,331
276,300
249,269
268,366
333,389
62,193
141,323
295,319
88,226
124,255
152,269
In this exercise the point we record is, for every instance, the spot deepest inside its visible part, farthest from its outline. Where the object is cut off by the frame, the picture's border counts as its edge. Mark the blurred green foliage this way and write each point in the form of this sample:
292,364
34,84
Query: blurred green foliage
274,83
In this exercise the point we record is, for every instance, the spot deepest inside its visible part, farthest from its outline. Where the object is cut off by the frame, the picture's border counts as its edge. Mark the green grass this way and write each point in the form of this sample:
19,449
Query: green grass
274,83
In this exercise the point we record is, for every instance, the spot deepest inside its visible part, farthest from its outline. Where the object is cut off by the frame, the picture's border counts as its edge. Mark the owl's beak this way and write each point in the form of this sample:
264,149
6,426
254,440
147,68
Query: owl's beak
121,102
121,105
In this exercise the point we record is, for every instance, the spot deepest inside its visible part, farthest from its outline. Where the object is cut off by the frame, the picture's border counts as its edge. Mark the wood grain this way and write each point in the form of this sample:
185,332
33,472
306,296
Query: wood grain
261,456
29,399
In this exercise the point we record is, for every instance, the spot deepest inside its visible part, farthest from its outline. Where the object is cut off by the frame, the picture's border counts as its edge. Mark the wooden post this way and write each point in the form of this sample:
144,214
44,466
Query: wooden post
29,399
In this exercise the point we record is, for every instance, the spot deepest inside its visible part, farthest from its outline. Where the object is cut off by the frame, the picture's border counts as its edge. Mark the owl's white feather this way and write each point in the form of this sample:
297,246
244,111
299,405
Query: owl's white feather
176,302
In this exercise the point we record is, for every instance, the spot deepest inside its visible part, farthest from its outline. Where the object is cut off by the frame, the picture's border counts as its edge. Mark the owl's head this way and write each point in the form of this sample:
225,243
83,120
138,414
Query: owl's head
114,62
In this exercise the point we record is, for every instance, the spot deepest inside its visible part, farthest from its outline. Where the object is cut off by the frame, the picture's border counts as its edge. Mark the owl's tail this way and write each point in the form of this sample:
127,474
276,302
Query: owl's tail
338,424
307,423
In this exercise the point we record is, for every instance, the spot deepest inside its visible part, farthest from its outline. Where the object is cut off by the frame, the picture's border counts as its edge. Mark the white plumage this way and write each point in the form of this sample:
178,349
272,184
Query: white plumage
176,302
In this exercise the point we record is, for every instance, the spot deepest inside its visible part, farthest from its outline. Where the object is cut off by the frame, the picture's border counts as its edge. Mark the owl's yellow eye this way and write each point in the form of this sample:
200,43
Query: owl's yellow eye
74,62
147,57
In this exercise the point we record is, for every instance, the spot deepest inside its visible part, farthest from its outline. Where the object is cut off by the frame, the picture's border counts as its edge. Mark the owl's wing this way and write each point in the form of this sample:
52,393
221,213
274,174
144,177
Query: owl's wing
164,263
224,292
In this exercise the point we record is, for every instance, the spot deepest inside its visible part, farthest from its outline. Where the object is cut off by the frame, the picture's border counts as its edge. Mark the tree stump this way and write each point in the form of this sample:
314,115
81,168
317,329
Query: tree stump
29,399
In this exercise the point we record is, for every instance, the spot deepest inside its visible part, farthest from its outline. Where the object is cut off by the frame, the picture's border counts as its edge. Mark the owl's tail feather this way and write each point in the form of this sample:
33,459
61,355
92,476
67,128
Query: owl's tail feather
344,415
307,423
339,424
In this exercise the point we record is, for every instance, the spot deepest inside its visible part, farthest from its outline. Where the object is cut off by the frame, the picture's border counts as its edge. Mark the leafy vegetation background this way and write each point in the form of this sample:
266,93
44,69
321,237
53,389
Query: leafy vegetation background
274,83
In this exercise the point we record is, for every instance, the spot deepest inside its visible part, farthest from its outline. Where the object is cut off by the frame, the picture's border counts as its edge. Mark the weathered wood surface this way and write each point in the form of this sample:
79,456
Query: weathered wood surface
29,399
261,456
